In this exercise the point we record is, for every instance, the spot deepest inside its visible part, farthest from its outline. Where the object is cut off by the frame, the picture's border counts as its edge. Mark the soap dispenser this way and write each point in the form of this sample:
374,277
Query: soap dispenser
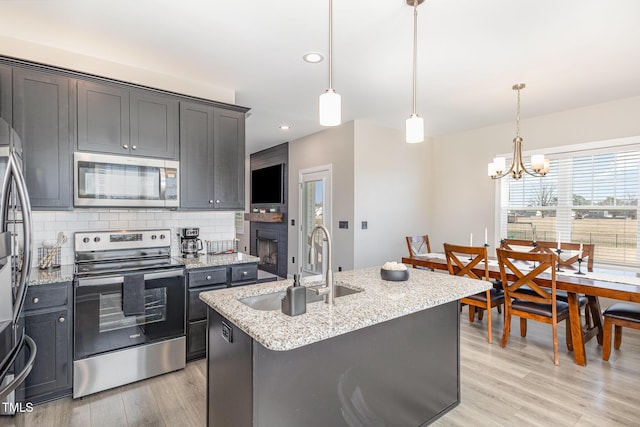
295,300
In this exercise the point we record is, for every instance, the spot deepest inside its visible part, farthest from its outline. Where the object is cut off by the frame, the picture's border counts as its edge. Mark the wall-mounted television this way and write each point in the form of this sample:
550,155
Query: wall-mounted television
267,185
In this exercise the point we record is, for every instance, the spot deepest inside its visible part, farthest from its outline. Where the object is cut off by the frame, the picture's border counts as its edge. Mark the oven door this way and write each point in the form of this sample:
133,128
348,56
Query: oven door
103,324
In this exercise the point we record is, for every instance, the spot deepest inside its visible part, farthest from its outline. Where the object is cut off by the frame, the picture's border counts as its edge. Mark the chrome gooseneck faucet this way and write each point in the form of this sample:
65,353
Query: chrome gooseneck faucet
328,289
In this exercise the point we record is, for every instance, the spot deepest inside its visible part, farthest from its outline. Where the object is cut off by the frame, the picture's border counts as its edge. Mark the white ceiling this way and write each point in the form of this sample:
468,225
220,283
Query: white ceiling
570,53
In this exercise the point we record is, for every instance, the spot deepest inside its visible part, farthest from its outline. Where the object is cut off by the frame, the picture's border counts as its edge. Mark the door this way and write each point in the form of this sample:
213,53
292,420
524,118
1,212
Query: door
5,93
154,125
315,209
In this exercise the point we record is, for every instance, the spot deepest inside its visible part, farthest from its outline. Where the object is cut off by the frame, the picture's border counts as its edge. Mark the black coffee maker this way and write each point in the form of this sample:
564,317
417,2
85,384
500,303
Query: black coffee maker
189,242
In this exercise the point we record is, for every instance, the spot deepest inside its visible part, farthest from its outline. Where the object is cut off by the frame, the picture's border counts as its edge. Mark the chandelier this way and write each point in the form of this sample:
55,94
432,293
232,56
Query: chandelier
539,165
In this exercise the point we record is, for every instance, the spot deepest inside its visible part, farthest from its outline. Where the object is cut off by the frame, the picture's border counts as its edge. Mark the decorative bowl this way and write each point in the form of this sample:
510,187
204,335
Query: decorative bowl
394,275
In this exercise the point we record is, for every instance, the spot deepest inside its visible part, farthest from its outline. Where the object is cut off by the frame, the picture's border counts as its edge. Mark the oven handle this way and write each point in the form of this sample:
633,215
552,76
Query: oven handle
113,280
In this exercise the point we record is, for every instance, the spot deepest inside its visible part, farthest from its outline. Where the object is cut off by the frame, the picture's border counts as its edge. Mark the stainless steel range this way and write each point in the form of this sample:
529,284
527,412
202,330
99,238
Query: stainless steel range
129,300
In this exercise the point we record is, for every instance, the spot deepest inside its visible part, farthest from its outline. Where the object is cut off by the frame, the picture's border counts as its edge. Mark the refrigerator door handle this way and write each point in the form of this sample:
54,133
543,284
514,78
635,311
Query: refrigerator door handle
20,377
15,171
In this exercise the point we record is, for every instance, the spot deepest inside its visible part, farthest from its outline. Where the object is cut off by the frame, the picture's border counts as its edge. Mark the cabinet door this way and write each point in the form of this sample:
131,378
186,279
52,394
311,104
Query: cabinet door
228,159
42,107
196,156
52,367
154,125
5,93
103,118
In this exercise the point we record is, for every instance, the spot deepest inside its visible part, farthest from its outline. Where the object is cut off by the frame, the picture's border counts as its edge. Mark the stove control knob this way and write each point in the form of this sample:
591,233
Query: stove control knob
85,240
154,237
96,239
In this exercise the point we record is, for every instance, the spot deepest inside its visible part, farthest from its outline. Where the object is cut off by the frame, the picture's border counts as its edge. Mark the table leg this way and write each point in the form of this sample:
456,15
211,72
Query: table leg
579,354
596,315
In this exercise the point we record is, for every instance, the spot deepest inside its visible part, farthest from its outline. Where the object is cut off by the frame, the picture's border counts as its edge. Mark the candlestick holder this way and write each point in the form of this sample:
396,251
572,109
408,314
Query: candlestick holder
559,251
579,265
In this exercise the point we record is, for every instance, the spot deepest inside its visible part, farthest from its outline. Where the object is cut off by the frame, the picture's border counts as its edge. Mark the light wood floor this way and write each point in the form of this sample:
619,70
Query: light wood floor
518,385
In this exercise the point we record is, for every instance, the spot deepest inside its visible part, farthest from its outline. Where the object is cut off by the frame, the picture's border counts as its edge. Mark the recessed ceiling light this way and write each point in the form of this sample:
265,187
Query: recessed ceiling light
313,57
285,127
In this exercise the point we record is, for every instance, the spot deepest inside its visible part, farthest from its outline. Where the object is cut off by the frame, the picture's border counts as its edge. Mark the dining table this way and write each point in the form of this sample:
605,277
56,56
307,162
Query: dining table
602,282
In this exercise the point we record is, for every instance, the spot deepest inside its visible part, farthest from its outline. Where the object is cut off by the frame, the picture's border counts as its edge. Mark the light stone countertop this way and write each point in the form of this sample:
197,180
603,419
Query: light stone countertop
47,277
218,260
380,301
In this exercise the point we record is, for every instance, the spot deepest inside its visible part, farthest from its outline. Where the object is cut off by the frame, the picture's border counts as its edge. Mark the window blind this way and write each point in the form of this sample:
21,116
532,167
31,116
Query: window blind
589,196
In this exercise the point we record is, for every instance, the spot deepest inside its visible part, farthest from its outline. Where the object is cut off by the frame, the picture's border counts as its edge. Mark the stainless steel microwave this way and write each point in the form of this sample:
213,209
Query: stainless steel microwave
117,181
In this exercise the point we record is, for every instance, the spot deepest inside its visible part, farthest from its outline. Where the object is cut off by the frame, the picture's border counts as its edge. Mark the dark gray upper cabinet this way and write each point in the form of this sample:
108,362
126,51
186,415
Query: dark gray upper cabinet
228,159
211,157
103,118
43,116
118,120
196,156
154,125
5,93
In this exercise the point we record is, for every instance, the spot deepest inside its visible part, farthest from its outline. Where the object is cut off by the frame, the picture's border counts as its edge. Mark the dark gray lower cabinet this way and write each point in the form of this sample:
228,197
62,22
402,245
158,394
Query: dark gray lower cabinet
402,372
43,116
48,320
204,280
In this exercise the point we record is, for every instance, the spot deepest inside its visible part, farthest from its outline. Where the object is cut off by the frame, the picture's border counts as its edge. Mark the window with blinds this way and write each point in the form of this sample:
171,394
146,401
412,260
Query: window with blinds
589,196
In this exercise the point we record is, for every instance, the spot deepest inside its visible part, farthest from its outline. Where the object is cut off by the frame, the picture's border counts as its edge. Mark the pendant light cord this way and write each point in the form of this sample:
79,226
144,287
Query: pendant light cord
518,117
415,50
330,43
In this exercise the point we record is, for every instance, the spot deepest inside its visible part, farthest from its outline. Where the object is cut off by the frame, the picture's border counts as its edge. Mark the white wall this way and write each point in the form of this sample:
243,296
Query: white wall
462,197
22,49
331,146
47,224
391,193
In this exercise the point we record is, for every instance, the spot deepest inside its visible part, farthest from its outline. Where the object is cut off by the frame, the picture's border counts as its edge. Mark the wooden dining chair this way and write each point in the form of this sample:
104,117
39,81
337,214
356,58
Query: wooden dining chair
619,314
591,304
461,260
541,306
418,245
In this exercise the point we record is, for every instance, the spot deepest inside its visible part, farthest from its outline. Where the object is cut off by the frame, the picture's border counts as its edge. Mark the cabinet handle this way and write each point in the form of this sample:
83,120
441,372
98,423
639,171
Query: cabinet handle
61,319
217,200
208,277
125,146
244,273
210,202
133,147
35,300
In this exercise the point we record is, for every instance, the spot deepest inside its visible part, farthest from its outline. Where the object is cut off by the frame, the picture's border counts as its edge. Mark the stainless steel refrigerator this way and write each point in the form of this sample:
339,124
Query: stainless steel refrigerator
17,350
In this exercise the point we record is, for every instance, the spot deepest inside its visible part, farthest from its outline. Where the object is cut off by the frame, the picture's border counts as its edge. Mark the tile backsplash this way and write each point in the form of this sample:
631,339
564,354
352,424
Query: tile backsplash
47,224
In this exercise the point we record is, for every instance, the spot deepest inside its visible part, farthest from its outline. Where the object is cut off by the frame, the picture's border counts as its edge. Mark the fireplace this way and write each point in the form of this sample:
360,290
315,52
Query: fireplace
267,250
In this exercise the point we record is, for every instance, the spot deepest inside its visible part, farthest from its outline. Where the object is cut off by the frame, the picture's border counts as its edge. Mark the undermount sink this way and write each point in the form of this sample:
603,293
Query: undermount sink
269,302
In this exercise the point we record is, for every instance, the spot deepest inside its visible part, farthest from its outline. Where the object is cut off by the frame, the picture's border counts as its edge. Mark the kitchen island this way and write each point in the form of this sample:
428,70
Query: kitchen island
385,356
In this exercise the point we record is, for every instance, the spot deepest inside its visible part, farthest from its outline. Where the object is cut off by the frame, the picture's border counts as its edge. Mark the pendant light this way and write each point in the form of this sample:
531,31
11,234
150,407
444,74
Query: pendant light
330,108
539,165
414,129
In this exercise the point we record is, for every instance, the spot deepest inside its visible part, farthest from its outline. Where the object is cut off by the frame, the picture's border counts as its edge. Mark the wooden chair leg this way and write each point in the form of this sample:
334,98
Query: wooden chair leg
617,337
489,318
480,313
606,339
507,328
472,314
556,359
523,327
568,336
499,308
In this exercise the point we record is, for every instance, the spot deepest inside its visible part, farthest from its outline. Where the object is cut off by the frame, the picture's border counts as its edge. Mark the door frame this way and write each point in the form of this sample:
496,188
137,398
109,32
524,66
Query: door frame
324,173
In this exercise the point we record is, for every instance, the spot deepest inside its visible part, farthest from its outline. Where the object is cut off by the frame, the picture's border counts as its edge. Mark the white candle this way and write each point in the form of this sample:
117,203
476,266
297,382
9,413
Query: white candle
485,235
559,238
580,251
471,239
